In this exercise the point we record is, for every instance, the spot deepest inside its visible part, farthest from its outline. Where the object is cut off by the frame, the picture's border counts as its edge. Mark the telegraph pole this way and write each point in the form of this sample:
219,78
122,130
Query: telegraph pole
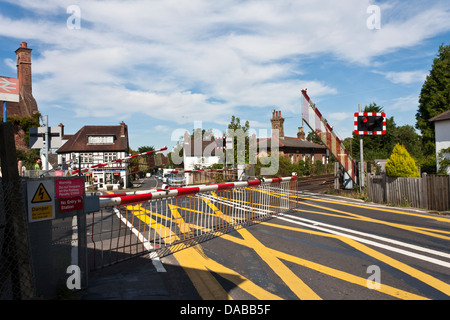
47,142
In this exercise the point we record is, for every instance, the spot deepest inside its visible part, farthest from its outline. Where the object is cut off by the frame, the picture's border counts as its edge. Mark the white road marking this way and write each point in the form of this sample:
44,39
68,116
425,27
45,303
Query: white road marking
316,225
153,255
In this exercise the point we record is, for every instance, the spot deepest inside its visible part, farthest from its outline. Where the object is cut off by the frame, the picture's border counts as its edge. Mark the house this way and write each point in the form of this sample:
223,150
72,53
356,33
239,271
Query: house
442,136
93,145
199,154
294,148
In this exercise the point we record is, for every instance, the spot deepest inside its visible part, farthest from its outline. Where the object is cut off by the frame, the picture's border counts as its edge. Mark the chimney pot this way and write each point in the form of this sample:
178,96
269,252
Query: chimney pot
23,44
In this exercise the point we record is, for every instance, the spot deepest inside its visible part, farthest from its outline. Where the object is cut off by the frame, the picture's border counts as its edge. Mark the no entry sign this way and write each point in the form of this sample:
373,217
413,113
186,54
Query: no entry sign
69,192
70,204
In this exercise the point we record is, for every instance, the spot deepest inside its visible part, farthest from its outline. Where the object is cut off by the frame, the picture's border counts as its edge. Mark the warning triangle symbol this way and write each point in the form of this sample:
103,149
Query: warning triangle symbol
41,195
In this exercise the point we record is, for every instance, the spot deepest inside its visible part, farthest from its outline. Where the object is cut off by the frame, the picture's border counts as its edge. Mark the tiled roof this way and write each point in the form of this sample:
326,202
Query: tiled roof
443,116
79,141
291,142
208,148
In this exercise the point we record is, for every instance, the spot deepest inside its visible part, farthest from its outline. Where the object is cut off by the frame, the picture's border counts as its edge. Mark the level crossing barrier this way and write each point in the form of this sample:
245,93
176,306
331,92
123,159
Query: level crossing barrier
163,221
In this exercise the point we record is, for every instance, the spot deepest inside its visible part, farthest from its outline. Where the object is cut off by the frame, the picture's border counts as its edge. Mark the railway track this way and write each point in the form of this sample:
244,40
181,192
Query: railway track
317,184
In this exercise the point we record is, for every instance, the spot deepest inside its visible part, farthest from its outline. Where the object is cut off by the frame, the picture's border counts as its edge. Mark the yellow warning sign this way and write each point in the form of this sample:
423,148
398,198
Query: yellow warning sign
41,195
42,212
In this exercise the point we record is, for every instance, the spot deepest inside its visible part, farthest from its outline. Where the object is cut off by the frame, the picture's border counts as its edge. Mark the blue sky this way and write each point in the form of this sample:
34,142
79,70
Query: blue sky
166,66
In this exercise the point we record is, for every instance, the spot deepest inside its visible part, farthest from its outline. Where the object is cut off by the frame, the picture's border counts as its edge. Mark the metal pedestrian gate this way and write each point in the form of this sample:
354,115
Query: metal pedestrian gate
161,222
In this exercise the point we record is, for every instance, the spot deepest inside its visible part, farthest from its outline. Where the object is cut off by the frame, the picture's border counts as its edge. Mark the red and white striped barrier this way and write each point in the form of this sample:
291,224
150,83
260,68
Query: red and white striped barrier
204,170
120,199
318,124
101,165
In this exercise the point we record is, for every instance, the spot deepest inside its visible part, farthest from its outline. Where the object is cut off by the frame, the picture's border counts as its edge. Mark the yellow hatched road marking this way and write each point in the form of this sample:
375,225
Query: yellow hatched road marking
421,230
198,267
383,209
289,278
329,271
194,262
294,283
426,278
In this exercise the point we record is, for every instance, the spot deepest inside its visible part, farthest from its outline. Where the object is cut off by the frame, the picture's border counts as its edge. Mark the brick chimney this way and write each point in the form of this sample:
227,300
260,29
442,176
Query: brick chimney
277,123
301,133
123,128
27,103
62,129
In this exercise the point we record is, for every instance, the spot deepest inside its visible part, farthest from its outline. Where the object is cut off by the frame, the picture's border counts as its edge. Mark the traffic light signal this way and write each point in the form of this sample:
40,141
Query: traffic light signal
370,123
221,143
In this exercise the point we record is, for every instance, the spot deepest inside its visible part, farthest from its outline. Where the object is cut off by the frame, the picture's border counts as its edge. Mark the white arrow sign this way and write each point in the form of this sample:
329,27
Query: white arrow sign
9,89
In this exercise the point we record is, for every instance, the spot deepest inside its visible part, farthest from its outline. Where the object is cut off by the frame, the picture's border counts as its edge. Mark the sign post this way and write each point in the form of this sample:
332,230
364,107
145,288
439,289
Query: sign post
368,123
361,151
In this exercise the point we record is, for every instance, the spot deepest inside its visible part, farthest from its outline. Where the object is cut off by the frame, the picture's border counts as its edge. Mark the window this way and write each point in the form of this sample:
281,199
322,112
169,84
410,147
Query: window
100,139
109,156
86,158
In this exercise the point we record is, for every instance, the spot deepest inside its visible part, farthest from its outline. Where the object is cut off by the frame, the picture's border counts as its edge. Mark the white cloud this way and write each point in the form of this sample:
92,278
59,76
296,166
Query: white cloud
408,103
405,77
183,61
339,116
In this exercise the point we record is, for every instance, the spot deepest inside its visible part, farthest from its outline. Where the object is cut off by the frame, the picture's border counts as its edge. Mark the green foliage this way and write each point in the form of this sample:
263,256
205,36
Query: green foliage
25,123
302,168
145,149
28,156
239,132
444,162
434,98
312,137
401,164
428,164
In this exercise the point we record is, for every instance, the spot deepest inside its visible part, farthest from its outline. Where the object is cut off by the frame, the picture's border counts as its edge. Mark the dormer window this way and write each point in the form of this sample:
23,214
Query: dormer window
100,139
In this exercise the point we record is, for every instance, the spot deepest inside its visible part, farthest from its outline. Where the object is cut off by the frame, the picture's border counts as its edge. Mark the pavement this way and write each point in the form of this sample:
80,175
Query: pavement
135,279
138,278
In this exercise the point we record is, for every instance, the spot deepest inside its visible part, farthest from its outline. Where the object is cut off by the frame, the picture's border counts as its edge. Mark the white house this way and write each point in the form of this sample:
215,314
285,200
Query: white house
199,154
442,135
93,145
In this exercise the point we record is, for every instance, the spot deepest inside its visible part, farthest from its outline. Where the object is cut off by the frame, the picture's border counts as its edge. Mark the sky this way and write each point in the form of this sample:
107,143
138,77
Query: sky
169,66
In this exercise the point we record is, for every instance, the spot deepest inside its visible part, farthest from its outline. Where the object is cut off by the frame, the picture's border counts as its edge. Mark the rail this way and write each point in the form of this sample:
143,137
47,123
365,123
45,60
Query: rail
161,222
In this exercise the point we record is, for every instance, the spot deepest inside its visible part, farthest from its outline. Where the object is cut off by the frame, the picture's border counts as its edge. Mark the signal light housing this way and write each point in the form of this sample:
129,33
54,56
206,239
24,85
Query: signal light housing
370,123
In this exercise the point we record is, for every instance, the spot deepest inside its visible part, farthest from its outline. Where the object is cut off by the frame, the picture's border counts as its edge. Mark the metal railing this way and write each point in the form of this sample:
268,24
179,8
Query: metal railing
161,222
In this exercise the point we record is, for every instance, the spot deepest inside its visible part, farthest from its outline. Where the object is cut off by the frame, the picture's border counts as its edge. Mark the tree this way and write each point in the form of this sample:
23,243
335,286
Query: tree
145,149
314,138
401,164
444,161
434,98
239,132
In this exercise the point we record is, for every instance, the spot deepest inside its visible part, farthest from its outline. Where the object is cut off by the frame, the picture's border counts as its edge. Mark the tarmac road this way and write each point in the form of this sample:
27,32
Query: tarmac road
327,249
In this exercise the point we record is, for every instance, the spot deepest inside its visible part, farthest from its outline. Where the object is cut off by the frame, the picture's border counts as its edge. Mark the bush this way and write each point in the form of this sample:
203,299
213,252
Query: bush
401,164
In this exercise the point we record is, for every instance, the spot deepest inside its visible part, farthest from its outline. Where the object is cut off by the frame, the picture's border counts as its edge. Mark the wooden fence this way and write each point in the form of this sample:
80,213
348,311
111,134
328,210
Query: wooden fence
431,192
